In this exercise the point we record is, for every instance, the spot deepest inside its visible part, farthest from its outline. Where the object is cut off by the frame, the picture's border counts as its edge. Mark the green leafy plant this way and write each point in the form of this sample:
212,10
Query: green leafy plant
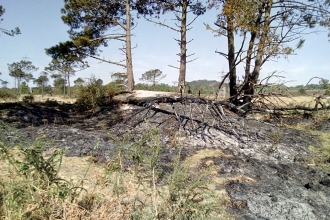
28,99
91,95
302,91
7,94
327,92
32,187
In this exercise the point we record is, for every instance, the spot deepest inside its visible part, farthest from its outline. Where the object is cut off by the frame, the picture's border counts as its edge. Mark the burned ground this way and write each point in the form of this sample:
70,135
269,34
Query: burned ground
267,176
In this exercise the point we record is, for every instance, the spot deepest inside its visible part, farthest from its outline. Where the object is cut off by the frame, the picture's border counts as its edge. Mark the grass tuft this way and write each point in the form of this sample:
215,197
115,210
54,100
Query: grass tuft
321,152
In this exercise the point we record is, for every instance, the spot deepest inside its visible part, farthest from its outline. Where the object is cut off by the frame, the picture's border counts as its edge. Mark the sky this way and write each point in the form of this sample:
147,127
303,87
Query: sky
155,48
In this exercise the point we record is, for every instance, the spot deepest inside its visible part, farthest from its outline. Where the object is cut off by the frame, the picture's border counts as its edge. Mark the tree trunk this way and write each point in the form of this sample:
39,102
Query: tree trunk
260,51
42,90
129,64
183,48
69,88
64,85
15,82
19,85
250,78
231,62
249,56
247,77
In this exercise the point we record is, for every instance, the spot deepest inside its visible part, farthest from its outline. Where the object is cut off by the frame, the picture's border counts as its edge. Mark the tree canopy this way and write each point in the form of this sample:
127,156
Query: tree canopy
79,82
6,31
181,9
267,30
66,61
153,76
21,70
42,81
120,80
90,23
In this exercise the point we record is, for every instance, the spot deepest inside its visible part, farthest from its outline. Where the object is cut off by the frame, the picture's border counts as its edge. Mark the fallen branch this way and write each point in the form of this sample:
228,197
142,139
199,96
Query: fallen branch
194,115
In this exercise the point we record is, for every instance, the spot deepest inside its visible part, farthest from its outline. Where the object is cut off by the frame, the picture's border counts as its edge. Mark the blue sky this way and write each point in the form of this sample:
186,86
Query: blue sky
41,26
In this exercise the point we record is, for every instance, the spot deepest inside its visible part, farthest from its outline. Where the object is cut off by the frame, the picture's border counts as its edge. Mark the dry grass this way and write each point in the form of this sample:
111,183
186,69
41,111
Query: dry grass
39,98
100,200
307,101
196,160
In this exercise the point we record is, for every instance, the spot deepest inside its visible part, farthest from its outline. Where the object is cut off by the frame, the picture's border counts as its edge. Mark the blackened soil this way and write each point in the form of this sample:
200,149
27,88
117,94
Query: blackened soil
283,184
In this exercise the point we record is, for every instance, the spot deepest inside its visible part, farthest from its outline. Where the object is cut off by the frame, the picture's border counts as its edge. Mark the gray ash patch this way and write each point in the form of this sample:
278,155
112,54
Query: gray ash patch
324,126
281,191
75,141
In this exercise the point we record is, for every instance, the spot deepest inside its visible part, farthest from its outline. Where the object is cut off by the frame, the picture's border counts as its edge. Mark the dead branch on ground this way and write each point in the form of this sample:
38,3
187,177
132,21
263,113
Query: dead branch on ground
190,115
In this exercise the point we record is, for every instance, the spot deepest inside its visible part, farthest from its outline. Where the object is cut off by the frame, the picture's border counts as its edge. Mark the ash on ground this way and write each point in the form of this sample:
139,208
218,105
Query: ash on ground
277,180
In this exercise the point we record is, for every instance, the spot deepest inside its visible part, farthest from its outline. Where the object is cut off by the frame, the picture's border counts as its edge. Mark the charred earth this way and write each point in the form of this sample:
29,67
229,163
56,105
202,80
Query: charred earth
266,173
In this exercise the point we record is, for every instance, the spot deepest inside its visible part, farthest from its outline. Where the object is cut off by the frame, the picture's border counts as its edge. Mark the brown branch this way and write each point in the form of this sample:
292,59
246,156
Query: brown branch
107,61
118,37
174,67
315,77
189,61
223,54
162,24
220,85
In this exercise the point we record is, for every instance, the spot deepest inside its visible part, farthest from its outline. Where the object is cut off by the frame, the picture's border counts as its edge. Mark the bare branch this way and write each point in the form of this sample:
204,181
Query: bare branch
315,77
107,61
223,54
192,21
174,67
189,61
162,24
110,37
191,55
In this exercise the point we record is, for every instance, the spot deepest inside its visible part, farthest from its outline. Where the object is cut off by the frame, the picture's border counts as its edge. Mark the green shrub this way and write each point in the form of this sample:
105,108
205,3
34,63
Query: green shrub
34,188
302,91
28,99
91,95
6,94
111,89
24,88
327,92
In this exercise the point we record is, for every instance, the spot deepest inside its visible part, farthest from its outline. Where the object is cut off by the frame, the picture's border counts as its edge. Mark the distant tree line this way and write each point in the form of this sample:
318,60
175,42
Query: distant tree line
256,31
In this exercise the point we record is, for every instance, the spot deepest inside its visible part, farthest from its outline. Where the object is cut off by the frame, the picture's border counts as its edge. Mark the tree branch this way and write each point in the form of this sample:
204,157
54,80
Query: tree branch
162,24
174,67
107,61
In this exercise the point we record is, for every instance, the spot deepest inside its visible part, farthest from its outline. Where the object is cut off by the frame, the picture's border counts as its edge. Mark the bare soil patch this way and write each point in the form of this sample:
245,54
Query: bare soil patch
264,168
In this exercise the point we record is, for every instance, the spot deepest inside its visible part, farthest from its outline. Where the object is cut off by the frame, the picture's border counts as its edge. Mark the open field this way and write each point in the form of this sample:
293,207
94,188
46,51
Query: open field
308,101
